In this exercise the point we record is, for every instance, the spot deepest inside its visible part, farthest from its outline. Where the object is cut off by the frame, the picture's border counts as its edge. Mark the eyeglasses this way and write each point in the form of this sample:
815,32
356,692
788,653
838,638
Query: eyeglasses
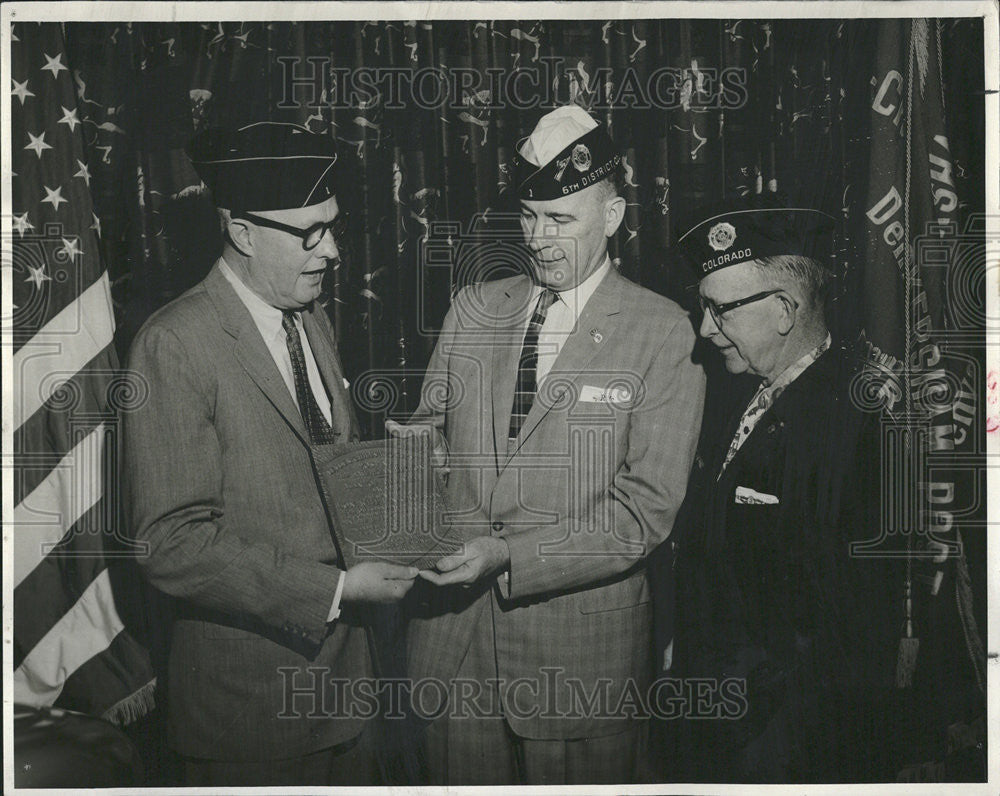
718,310
311,235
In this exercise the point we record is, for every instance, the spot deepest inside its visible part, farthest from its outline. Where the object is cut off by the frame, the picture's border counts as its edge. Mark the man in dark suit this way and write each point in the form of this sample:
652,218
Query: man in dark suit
570,418
778,608
243,380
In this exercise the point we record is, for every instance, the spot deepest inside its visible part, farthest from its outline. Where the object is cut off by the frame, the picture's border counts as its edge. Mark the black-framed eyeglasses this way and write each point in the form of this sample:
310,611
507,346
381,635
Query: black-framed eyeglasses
718,310
311,235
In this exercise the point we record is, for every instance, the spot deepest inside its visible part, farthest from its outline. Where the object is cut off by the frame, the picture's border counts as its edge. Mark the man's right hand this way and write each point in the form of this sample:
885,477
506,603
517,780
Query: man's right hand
377,582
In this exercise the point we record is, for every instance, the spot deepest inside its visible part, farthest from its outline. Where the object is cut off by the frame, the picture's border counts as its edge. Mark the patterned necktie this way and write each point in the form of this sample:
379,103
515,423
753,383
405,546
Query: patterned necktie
320,432
759,404
527,386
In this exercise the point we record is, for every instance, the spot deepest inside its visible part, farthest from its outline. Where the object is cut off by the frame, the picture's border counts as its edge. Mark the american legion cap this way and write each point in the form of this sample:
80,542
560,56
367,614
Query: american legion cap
760,226
565,153
265,166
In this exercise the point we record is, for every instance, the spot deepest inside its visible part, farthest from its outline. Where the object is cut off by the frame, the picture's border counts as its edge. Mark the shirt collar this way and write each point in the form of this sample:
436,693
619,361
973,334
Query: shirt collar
576,298
793,371
267,318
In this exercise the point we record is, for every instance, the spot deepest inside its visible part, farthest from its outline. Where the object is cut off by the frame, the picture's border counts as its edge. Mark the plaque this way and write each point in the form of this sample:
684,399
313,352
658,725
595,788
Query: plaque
386,501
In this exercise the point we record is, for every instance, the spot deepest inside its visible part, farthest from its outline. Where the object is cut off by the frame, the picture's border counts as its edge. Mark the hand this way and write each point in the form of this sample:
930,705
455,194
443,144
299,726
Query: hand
377,582
439,453
482,557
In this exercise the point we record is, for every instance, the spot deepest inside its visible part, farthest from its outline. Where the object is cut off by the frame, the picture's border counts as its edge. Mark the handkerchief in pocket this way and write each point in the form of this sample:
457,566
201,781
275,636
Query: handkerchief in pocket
745,494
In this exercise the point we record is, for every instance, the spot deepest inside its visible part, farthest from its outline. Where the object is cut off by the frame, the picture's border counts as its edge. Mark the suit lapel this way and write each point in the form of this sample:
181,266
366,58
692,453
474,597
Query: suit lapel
508,337
251,351
594,330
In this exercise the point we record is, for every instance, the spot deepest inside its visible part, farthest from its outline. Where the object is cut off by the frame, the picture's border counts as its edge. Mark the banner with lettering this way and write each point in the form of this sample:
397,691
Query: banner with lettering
923,322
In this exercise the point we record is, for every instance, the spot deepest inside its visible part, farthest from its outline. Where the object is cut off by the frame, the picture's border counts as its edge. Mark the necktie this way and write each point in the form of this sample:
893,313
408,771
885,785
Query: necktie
759,404
320,432
524,392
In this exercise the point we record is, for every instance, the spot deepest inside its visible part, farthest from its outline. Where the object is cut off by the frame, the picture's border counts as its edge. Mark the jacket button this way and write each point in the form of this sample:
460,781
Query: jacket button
497,526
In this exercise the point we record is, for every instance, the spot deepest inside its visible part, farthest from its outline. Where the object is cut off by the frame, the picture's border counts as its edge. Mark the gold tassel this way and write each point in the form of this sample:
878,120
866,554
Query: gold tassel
906,661
133,707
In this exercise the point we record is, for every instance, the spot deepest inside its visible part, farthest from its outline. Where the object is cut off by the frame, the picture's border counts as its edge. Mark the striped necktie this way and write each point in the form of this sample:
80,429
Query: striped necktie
527,386
320,431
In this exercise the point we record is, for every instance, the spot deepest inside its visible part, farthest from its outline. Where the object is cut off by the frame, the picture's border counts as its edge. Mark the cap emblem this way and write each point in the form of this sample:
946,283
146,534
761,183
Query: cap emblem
721,236
581,157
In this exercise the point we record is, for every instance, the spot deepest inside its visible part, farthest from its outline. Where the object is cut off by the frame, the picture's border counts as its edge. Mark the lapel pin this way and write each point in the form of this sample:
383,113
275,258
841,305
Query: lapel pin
596,335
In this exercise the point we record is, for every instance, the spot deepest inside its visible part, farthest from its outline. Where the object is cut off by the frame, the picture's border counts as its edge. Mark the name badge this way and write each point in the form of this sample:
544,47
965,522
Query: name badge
600,395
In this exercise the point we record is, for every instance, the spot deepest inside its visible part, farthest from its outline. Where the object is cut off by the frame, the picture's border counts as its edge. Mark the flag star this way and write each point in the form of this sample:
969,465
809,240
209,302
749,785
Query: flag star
69,117
22,225
37,144
21,91
96,226
54,65
71,247
83,173
54,197
38,276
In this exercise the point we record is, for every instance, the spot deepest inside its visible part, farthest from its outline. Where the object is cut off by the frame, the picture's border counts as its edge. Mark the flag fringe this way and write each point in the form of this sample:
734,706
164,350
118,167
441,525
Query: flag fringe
132,707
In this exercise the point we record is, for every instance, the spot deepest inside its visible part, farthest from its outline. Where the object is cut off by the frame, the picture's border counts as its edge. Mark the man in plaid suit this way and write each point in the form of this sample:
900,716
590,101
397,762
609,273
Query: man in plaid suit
570,414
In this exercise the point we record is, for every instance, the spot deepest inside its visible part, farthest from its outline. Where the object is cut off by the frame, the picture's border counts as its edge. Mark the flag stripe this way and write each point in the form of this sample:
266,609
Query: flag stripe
53,587
43,518
86,630
61,348
50,433
65,371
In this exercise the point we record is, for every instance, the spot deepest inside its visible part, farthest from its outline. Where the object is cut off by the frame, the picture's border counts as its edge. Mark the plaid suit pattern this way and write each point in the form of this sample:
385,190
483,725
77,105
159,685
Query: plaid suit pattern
586,492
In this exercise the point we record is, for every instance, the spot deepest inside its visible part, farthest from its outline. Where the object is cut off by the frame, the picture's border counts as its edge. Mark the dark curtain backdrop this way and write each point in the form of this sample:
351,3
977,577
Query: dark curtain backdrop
145,88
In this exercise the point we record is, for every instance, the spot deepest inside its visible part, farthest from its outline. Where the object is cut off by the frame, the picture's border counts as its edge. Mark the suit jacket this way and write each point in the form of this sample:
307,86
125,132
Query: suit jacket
221,487
593,485
770,594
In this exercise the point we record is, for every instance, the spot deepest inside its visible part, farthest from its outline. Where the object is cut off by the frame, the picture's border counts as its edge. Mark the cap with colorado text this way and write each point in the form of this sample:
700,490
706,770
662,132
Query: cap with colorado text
565,153
265,166
753,229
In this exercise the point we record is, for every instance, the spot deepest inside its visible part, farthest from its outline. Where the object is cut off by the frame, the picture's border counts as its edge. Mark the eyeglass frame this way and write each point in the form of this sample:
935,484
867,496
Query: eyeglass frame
337,227
717,310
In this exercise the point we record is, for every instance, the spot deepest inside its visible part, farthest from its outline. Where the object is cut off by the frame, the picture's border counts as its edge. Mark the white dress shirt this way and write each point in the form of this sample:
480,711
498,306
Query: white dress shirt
268,322
562,318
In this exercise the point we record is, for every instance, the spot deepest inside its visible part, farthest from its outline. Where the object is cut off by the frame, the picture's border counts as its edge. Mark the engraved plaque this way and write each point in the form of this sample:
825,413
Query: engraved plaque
385,500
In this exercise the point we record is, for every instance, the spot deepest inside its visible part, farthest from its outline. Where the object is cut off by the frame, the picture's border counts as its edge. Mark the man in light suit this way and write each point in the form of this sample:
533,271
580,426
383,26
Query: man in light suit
243,379
570,416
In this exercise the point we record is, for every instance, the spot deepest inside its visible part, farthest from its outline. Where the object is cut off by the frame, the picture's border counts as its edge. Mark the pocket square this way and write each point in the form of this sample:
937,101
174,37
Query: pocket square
745,494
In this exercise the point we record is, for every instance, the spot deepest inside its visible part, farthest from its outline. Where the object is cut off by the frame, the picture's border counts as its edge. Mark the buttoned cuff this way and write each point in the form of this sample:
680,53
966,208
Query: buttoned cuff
335,608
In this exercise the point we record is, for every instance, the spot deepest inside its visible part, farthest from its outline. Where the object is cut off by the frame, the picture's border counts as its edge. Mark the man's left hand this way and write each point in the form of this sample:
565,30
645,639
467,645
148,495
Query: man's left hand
482,557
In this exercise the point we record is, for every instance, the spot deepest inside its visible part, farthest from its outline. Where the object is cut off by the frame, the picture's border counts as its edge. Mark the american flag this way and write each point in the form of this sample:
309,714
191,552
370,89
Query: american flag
71,649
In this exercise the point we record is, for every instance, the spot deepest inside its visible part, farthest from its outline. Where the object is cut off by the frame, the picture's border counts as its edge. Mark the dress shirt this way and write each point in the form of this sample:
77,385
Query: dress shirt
562,317
268,322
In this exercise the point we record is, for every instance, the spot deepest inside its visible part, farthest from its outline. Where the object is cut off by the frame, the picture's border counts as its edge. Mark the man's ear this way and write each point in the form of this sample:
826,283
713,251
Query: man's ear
786,318
240,235
614,214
